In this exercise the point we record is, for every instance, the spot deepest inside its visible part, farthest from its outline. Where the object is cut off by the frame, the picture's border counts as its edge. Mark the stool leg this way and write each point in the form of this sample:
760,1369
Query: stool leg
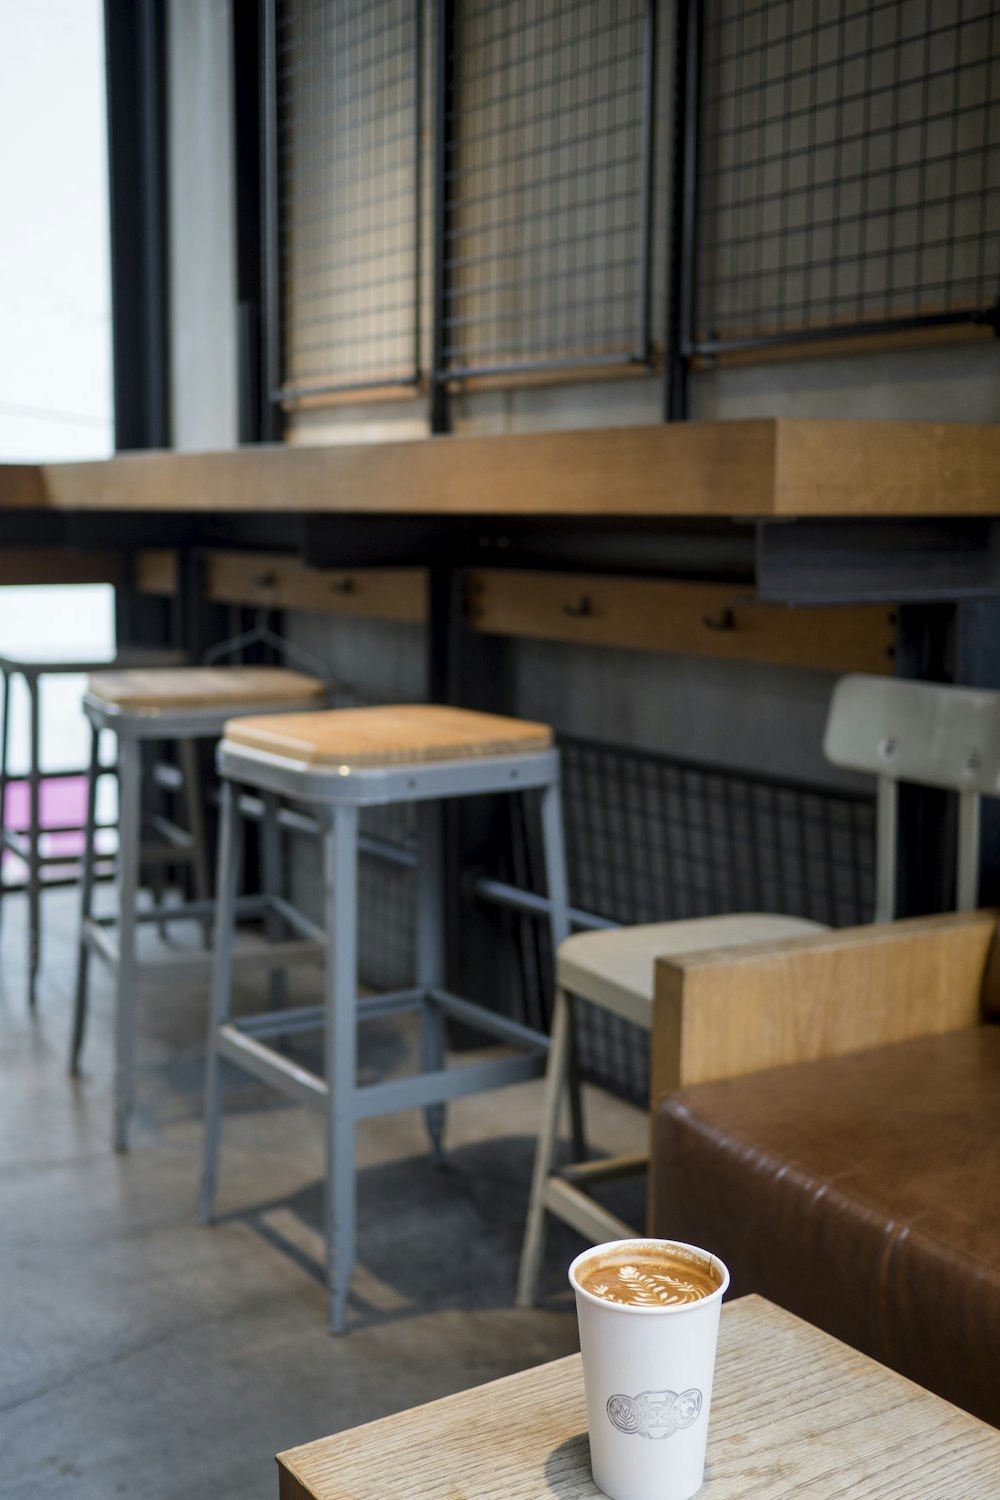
86,904
555,879
4,741
430,954
270,852
126,999
340,864
34,841
153,800
195,804
556,1080
227,871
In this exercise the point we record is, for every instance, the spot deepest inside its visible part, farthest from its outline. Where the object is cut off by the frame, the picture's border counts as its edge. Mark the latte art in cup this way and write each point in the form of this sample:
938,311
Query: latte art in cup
661,1279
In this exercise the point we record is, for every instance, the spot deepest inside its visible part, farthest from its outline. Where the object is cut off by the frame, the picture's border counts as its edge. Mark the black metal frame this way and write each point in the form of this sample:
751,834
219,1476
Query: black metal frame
443,372
444,89
134,38
272,361
256,416
279,394
685,346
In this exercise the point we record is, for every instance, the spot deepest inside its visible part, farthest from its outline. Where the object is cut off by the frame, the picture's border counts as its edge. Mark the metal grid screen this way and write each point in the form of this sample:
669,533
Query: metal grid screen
849,167
347,143
655,839
547,185
648,839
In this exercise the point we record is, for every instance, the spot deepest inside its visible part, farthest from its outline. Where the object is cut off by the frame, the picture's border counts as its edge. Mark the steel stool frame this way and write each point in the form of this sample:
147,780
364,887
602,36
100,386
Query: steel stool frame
27,845
113,938
339,793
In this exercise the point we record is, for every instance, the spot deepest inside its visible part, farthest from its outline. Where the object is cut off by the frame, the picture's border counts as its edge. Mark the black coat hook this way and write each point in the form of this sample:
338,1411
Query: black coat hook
726,620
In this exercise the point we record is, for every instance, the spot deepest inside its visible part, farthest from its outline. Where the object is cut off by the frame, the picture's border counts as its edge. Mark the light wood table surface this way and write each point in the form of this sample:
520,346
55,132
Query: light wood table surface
795,1413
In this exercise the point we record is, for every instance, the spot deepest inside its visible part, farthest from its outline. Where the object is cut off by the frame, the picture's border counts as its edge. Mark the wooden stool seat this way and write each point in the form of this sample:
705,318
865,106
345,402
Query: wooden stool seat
407,733
169,688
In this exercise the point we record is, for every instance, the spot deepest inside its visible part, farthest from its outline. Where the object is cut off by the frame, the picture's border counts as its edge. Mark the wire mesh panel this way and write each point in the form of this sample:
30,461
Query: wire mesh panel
650,838
849,168
547,168
348,97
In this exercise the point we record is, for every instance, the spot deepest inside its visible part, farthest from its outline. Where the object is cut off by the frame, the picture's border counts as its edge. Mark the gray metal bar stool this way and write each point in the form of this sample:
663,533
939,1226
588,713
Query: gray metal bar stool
28,845
340,762
184,704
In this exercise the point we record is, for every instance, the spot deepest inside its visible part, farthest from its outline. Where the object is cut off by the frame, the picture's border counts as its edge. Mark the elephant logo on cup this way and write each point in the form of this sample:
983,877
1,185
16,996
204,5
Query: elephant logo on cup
655,1414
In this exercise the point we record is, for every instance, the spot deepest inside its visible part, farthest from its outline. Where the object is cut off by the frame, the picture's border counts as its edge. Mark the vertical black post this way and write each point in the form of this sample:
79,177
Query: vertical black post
418,187
270,334
444,121
925,649
135,41
645,340
683,227
248,105
977,664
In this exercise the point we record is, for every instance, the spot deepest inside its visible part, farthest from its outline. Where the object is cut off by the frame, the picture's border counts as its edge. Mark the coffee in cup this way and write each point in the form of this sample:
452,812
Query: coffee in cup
665,1276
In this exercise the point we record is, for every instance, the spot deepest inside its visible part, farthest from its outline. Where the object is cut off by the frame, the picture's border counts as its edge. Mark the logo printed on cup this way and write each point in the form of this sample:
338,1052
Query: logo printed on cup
655,1414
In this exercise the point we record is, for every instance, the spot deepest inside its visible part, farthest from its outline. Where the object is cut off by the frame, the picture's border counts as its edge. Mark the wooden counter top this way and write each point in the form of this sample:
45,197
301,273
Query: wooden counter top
762,468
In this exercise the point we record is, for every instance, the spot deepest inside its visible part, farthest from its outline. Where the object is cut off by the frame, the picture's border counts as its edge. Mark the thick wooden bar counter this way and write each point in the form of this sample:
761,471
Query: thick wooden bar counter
768,468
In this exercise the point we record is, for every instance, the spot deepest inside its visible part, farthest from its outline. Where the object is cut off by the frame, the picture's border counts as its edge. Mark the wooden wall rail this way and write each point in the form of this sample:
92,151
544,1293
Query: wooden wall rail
40,565
760,468
282,582
696,619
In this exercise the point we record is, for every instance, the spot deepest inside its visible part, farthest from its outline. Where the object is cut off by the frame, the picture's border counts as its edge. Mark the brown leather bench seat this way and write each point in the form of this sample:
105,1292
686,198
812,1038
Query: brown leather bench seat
861,1192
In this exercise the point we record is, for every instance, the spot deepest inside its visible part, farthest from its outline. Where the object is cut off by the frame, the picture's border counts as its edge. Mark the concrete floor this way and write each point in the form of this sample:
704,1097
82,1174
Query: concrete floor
141,1354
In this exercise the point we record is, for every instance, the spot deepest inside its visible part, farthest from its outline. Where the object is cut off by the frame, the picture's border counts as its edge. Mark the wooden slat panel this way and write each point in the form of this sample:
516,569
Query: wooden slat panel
285,583
38,565
723,1013
648,614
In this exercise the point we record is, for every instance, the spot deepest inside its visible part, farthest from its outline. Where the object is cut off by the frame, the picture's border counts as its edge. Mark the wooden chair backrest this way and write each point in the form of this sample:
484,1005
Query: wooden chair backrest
726,1012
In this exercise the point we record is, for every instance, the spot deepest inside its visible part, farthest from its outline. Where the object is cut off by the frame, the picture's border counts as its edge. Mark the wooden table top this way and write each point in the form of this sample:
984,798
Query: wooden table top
794,1412
758,468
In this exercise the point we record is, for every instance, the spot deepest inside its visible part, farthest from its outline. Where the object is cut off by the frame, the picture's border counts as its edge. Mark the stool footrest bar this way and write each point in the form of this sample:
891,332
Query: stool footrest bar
605,1170
488,1021
282,1022
449,1083
580,1211
102,943
297,920
270,1067
239,1042
391,1003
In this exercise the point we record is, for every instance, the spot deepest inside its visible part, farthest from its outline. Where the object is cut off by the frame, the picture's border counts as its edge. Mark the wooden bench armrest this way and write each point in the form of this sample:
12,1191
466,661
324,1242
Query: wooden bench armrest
724,1012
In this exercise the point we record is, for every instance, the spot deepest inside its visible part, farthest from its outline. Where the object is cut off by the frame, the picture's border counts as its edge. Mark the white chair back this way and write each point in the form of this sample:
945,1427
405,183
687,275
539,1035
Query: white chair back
922,732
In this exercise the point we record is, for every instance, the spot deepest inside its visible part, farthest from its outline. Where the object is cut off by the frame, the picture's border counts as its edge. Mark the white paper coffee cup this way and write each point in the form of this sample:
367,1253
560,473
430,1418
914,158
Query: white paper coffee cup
647,1374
